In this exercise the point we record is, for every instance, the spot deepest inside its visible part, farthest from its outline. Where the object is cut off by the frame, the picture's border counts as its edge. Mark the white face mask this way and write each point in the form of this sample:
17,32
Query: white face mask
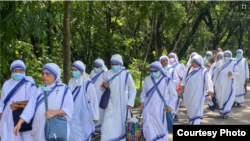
172,60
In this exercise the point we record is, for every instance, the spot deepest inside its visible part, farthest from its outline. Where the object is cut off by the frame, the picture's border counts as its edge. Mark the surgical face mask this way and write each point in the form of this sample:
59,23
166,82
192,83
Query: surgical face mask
238,55
97,70
76,74
155,74
166,68
172,60
46,89
18,76
116,68
208,57
226,59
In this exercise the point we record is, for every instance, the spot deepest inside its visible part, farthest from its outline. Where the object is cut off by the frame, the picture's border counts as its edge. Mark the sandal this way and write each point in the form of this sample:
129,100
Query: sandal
238,105
234,105
176,119
224,116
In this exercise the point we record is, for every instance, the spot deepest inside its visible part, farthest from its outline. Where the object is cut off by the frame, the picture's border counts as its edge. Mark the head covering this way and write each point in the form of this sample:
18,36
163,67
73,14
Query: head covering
100,63
174,55
18,64
157,65
209,53
221,54
190,57
162,58
53,69
117,58
198,60
239,51
229,53
79,66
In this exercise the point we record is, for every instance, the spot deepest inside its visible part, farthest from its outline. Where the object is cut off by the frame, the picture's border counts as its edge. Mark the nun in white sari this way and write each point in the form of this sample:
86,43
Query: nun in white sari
170,71
206,58
154,111
18,88
242,80
225,84
179,69
117,80
97,77
190,60
219,57
86,111
60,103
196,84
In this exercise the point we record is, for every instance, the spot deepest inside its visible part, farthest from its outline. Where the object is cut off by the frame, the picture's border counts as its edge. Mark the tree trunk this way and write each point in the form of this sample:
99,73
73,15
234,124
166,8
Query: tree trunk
191,35
158,39
66,42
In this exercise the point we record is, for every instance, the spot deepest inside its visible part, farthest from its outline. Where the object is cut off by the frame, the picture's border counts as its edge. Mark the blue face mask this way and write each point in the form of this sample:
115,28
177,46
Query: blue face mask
208,57
46,89
18,76
238,55
155,74
97,70
76,74
116,68
226,59
166,68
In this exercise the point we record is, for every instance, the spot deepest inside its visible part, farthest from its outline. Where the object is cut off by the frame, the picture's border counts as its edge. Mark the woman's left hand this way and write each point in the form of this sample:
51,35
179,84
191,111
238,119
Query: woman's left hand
50,114
95,121
168,109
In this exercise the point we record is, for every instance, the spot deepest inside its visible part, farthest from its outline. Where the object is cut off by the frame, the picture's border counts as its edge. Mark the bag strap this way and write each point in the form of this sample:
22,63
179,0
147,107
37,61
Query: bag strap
46,101
127,113
159,93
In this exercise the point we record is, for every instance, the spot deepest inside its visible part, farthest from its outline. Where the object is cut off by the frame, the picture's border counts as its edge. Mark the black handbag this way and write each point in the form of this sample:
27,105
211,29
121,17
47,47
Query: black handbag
16,116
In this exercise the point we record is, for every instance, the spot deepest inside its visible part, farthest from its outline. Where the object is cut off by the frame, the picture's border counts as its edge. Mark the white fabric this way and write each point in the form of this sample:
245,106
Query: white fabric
170,71
100,61
241,80
54,103
55,69
195,90
113,126
154,116
99,93
23,94
205,60
79,81
212,68
18,64
117,57
179,69
86,110
79,65
189,60
225,87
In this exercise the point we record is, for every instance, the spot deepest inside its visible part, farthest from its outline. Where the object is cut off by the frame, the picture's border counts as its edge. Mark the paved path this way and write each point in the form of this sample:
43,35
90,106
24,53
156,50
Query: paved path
238,115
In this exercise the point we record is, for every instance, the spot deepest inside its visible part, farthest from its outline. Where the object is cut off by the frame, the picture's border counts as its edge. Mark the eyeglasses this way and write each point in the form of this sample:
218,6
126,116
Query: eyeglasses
153,71
46,73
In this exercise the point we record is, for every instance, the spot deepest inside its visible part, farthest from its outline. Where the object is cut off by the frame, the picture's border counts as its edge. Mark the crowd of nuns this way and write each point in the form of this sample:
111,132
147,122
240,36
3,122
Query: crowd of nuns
225,78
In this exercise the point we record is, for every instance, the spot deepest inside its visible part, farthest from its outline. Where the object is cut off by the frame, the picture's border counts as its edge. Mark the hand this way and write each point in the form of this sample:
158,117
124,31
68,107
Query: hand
13,107
95,121
142,105
17,128
230,73
209,98
208,64
106,85
128,106
247,80
49,114
168,109
0,116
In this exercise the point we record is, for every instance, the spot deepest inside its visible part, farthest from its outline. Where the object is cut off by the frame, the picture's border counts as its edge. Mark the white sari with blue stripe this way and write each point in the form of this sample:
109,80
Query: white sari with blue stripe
154,115
59,97
113,126
196,83
97,79
225,87
14,91
241,80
